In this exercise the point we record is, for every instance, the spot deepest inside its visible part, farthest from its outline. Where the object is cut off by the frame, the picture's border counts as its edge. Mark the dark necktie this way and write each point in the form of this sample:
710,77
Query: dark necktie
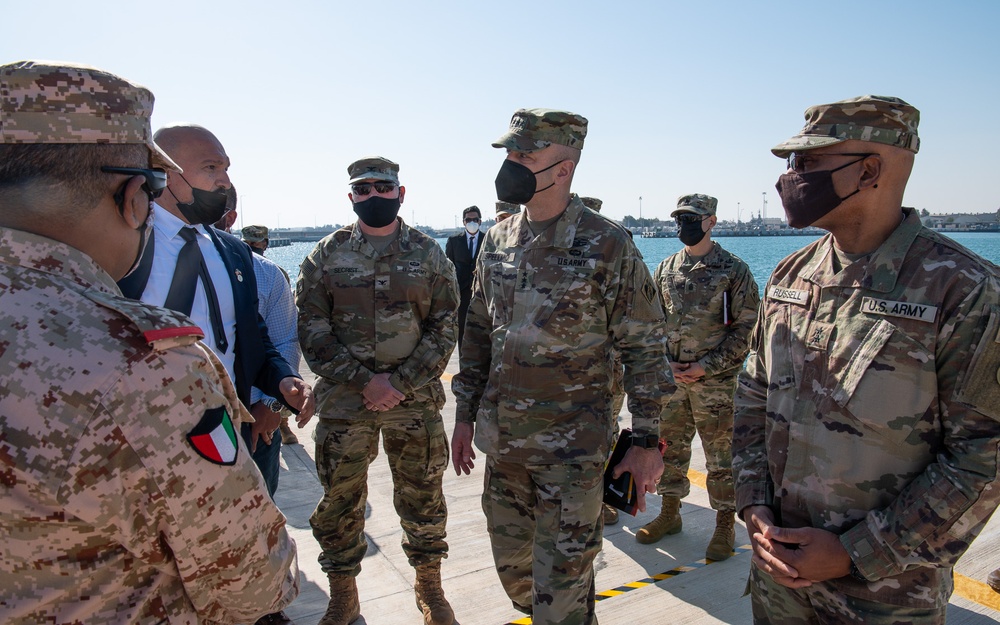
190,266
471,247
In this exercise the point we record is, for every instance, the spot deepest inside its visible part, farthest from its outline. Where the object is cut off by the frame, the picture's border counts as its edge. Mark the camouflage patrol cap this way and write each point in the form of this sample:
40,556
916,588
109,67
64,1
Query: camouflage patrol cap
535,129
254,234
64,103
882,119
373,168
507,208
592,203
697,203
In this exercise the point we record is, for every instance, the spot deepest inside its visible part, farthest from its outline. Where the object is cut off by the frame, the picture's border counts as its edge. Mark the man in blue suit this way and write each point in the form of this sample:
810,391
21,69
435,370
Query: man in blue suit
462,250
182,216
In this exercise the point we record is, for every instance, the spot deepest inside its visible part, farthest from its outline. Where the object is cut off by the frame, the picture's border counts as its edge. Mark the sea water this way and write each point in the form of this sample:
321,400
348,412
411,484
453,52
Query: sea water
760,253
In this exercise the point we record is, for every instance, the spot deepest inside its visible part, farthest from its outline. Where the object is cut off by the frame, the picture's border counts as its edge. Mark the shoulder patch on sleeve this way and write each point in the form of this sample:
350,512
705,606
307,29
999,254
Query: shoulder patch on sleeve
980,388
214,438
162,328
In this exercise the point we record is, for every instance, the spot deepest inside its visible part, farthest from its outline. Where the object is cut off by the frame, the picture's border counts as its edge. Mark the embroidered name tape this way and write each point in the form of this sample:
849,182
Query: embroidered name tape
793,296
889,308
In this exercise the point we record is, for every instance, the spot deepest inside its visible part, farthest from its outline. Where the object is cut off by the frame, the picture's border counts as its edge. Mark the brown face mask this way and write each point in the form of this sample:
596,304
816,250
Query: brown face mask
809,196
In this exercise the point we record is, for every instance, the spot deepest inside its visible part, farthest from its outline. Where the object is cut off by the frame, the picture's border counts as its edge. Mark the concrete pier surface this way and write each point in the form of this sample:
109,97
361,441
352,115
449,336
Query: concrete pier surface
669,582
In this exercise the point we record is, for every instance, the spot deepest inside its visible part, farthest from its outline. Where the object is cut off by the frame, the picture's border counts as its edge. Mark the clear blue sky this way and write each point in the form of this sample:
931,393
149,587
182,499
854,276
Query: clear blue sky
681,97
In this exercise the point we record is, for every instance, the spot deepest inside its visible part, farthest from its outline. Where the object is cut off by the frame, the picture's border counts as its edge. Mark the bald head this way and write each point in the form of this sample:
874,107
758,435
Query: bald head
202,157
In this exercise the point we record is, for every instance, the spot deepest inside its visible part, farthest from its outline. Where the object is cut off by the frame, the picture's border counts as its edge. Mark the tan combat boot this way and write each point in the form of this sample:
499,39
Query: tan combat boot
724,538
430,596
610,514
344,606
288,437
668,522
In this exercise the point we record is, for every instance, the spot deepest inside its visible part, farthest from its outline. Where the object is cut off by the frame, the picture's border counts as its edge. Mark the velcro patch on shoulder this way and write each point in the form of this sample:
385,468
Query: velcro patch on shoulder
214,438
162,328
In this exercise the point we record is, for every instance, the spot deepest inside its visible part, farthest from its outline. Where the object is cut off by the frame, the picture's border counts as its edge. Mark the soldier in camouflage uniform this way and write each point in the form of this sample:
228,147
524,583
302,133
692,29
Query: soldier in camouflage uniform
506,210
866,430
710,299
378,302
128,496
556,288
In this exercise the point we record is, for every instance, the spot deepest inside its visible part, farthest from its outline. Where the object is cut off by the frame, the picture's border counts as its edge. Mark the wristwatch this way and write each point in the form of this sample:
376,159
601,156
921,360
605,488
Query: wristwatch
649,441
273,405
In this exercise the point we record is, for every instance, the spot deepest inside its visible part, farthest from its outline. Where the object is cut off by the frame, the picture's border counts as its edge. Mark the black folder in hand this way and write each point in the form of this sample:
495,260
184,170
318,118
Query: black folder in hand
620,493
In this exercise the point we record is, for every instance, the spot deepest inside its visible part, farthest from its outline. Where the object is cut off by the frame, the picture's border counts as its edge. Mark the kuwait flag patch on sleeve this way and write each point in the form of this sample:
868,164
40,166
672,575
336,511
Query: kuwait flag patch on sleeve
214,438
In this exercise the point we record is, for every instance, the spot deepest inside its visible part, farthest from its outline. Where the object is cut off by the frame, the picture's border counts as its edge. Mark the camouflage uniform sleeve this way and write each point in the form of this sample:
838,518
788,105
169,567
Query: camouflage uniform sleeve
637,323
216,522
440,333
751,476
732,351
940,512
326,355
474,360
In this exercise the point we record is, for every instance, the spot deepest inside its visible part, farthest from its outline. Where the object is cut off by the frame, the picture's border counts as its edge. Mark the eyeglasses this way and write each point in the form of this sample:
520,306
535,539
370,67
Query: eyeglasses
156,179
691,219
365,188
798,161
470,220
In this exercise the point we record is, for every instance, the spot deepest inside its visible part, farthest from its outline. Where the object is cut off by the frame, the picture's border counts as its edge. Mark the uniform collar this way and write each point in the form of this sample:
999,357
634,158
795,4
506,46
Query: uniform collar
403,240
46,255
879,272
561,234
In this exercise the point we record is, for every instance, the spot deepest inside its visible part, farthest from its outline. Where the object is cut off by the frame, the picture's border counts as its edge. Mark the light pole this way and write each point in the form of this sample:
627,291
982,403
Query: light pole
763,195
640,207
737,213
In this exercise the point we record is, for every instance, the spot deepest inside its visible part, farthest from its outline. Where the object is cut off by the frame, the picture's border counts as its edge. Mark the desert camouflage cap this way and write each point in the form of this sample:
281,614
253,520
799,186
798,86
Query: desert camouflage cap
592,203
697,203
65,103
507,208
254,234
373,168
535,129
882,119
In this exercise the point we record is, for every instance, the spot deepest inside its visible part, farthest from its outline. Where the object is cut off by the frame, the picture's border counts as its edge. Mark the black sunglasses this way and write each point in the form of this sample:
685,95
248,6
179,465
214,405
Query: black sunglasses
156,179
796,161
364,188
690,218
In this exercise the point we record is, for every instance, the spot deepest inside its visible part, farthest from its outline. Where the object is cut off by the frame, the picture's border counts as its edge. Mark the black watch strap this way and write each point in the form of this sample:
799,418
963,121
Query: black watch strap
649,441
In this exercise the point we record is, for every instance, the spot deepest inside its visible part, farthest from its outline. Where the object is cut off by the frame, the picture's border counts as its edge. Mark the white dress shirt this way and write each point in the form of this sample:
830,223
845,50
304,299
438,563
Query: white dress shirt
166,229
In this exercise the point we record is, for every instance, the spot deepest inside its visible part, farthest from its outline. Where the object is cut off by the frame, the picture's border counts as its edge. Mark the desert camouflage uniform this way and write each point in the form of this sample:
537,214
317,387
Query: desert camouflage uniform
361,313
109,514
869,408
535,378
692,293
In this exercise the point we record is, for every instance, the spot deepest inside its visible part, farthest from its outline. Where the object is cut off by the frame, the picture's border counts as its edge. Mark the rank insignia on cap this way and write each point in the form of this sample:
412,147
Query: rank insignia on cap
214,438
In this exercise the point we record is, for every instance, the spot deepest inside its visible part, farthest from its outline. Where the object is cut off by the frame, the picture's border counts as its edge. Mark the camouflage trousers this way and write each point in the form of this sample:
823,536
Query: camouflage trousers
417,448
706,405
545,526
822,603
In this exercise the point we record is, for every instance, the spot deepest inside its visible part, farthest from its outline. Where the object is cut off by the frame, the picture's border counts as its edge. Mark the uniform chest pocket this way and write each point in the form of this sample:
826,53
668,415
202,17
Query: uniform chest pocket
572,304
777,347
888,382
498,289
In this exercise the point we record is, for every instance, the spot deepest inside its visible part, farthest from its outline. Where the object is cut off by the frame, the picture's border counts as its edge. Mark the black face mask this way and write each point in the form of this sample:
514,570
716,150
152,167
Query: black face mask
516,183
377,211
691,233
206,208
808,197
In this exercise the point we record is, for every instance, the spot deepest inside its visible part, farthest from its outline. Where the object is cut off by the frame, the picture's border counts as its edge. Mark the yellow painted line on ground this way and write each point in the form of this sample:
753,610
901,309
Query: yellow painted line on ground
976,591
642,583
698,479
446,377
